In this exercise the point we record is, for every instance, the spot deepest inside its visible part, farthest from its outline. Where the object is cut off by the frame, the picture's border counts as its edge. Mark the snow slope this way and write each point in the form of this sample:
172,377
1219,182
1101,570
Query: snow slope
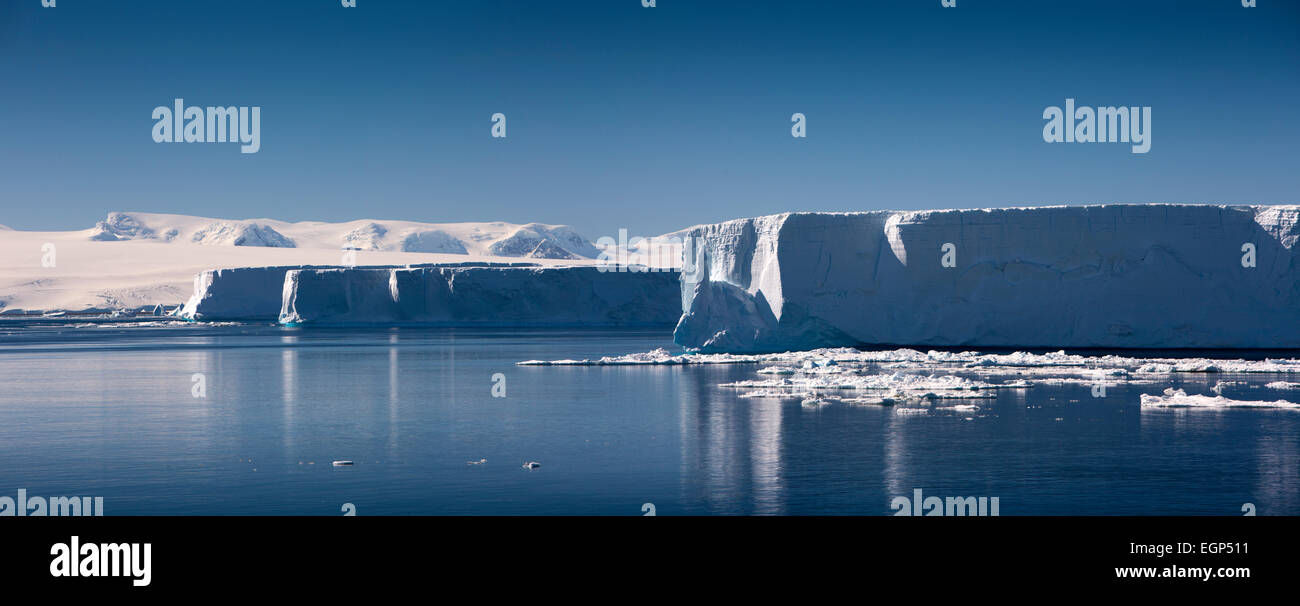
135,260
500,296
1141,276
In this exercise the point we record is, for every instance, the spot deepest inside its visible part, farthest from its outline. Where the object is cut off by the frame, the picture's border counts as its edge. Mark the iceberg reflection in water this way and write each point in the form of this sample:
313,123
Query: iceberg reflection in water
109,411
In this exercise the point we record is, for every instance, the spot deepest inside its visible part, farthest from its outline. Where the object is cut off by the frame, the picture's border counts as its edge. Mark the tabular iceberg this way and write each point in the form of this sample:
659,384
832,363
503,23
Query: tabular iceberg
1114,276
481,296
242,293
257,293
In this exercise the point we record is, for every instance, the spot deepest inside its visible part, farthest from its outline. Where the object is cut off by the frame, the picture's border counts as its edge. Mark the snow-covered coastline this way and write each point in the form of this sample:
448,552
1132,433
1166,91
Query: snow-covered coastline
137,261
1140,276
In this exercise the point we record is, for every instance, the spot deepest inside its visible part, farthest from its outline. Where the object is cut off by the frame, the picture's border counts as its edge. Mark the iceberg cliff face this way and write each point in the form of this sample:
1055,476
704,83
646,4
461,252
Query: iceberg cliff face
484,296
1121,276
244,293
257,293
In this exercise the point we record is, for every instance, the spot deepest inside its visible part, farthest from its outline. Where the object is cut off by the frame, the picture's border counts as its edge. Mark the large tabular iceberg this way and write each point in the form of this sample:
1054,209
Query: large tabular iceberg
257,293
241,293
1116,276
484,296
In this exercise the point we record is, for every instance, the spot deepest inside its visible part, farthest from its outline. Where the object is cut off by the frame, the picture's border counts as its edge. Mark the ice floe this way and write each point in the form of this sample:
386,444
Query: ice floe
1177,398
896,384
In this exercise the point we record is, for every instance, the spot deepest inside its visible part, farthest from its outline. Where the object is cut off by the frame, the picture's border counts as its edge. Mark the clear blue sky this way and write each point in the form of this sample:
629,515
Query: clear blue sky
645,118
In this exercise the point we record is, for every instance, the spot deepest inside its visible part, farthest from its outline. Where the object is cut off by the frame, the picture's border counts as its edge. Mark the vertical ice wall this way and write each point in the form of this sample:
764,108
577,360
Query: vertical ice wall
529,296
256,293
1146,276
244,293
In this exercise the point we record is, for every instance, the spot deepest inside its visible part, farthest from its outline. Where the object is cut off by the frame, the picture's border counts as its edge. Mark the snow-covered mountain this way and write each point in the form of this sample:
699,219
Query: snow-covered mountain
533,240
134,260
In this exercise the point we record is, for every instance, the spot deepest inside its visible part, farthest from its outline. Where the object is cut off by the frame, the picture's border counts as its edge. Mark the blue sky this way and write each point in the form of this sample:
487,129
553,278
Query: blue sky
649,119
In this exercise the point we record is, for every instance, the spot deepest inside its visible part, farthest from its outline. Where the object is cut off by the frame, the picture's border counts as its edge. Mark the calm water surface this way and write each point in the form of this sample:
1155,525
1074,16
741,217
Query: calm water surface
109,411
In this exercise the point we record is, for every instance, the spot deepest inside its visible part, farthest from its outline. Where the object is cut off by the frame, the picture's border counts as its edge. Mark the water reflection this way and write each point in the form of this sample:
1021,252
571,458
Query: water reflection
895,455
289,387
731,454
1277,469
392,394
610,438
765,455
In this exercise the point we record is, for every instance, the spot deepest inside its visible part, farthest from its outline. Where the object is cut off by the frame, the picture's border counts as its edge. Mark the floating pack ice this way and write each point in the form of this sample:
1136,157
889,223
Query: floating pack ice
1020,363
888,377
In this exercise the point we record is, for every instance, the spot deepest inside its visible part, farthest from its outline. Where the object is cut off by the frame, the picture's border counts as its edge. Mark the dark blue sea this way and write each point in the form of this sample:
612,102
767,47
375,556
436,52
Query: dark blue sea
111,411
